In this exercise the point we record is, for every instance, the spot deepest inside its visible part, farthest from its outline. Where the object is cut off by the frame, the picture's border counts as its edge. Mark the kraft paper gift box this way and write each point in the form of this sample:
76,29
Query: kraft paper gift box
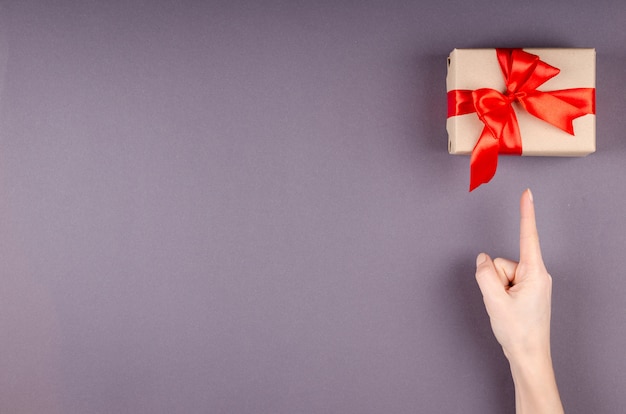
504,70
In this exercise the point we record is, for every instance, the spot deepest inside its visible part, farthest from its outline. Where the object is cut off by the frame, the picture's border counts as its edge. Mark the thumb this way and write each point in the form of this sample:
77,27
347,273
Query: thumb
489,282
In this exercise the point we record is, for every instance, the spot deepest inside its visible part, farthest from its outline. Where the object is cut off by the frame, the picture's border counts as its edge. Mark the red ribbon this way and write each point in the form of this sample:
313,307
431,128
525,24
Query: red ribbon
523,74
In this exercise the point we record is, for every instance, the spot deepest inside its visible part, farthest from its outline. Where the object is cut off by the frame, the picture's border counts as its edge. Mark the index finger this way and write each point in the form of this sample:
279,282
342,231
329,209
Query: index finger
530,251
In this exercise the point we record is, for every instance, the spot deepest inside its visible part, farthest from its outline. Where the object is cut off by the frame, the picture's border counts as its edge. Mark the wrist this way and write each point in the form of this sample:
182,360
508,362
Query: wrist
536,352
536,364
536,390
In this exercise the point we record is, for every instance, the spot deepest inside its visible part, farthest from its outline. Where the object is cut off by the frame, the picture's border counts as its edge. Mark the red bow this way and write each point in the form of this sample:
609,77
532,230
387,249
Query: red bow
523,74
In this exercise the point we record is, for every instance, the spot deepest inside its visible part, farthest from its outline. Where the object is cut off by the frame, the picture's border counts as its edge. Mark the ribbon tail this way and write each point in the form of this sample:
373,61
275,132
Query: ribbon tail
484,160
561,107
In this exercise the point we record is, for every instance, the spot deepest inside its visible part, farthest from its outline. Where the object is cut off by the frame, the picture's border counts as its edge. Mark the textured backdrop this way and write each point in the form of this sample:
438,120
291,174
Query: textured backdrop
248,207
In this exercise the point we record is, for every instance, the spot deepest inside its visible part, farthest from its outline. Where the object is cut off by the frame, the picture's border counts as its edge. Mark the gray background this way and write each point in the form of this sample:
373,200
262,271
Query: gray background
248,207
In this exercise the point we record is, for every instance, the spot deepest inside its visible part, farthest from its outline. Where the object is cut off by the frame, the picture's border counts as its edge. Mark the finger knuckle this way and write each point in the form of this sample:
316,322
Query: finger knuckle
481,273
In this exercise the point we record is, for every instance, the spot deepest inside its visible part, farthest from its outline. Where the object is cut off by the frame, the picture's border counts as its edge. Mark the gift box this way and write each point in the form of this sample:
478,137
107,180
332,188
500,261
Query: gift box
519,102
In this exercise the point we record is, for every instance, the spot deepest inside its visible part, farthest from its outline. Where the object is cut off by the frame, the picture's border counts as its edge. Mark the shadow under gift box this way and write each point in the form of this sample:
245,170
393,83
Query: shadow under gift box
471,69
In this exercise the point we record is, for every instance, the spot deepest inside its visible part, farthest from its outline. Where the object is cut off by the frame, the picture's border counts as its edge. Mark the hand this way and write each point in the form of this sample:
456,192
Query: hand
517,295
518,300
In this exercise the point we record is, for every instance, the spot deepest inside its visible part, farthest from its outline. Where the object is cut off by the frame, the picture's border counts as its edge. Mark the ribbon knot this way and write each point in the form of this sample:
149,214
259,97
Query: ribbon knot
517,96
523,74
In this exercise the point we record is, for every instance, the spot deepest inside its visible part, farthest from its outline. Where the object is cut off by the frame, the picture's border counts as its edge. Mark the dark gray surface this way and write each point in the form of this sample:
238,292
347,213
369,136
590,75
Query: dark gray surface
248,207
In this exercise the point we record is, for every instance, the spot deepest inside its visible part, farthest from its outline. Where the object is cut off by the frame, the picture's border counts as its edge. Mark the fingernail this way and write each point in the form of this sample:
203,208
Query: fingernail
480,259
530,195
